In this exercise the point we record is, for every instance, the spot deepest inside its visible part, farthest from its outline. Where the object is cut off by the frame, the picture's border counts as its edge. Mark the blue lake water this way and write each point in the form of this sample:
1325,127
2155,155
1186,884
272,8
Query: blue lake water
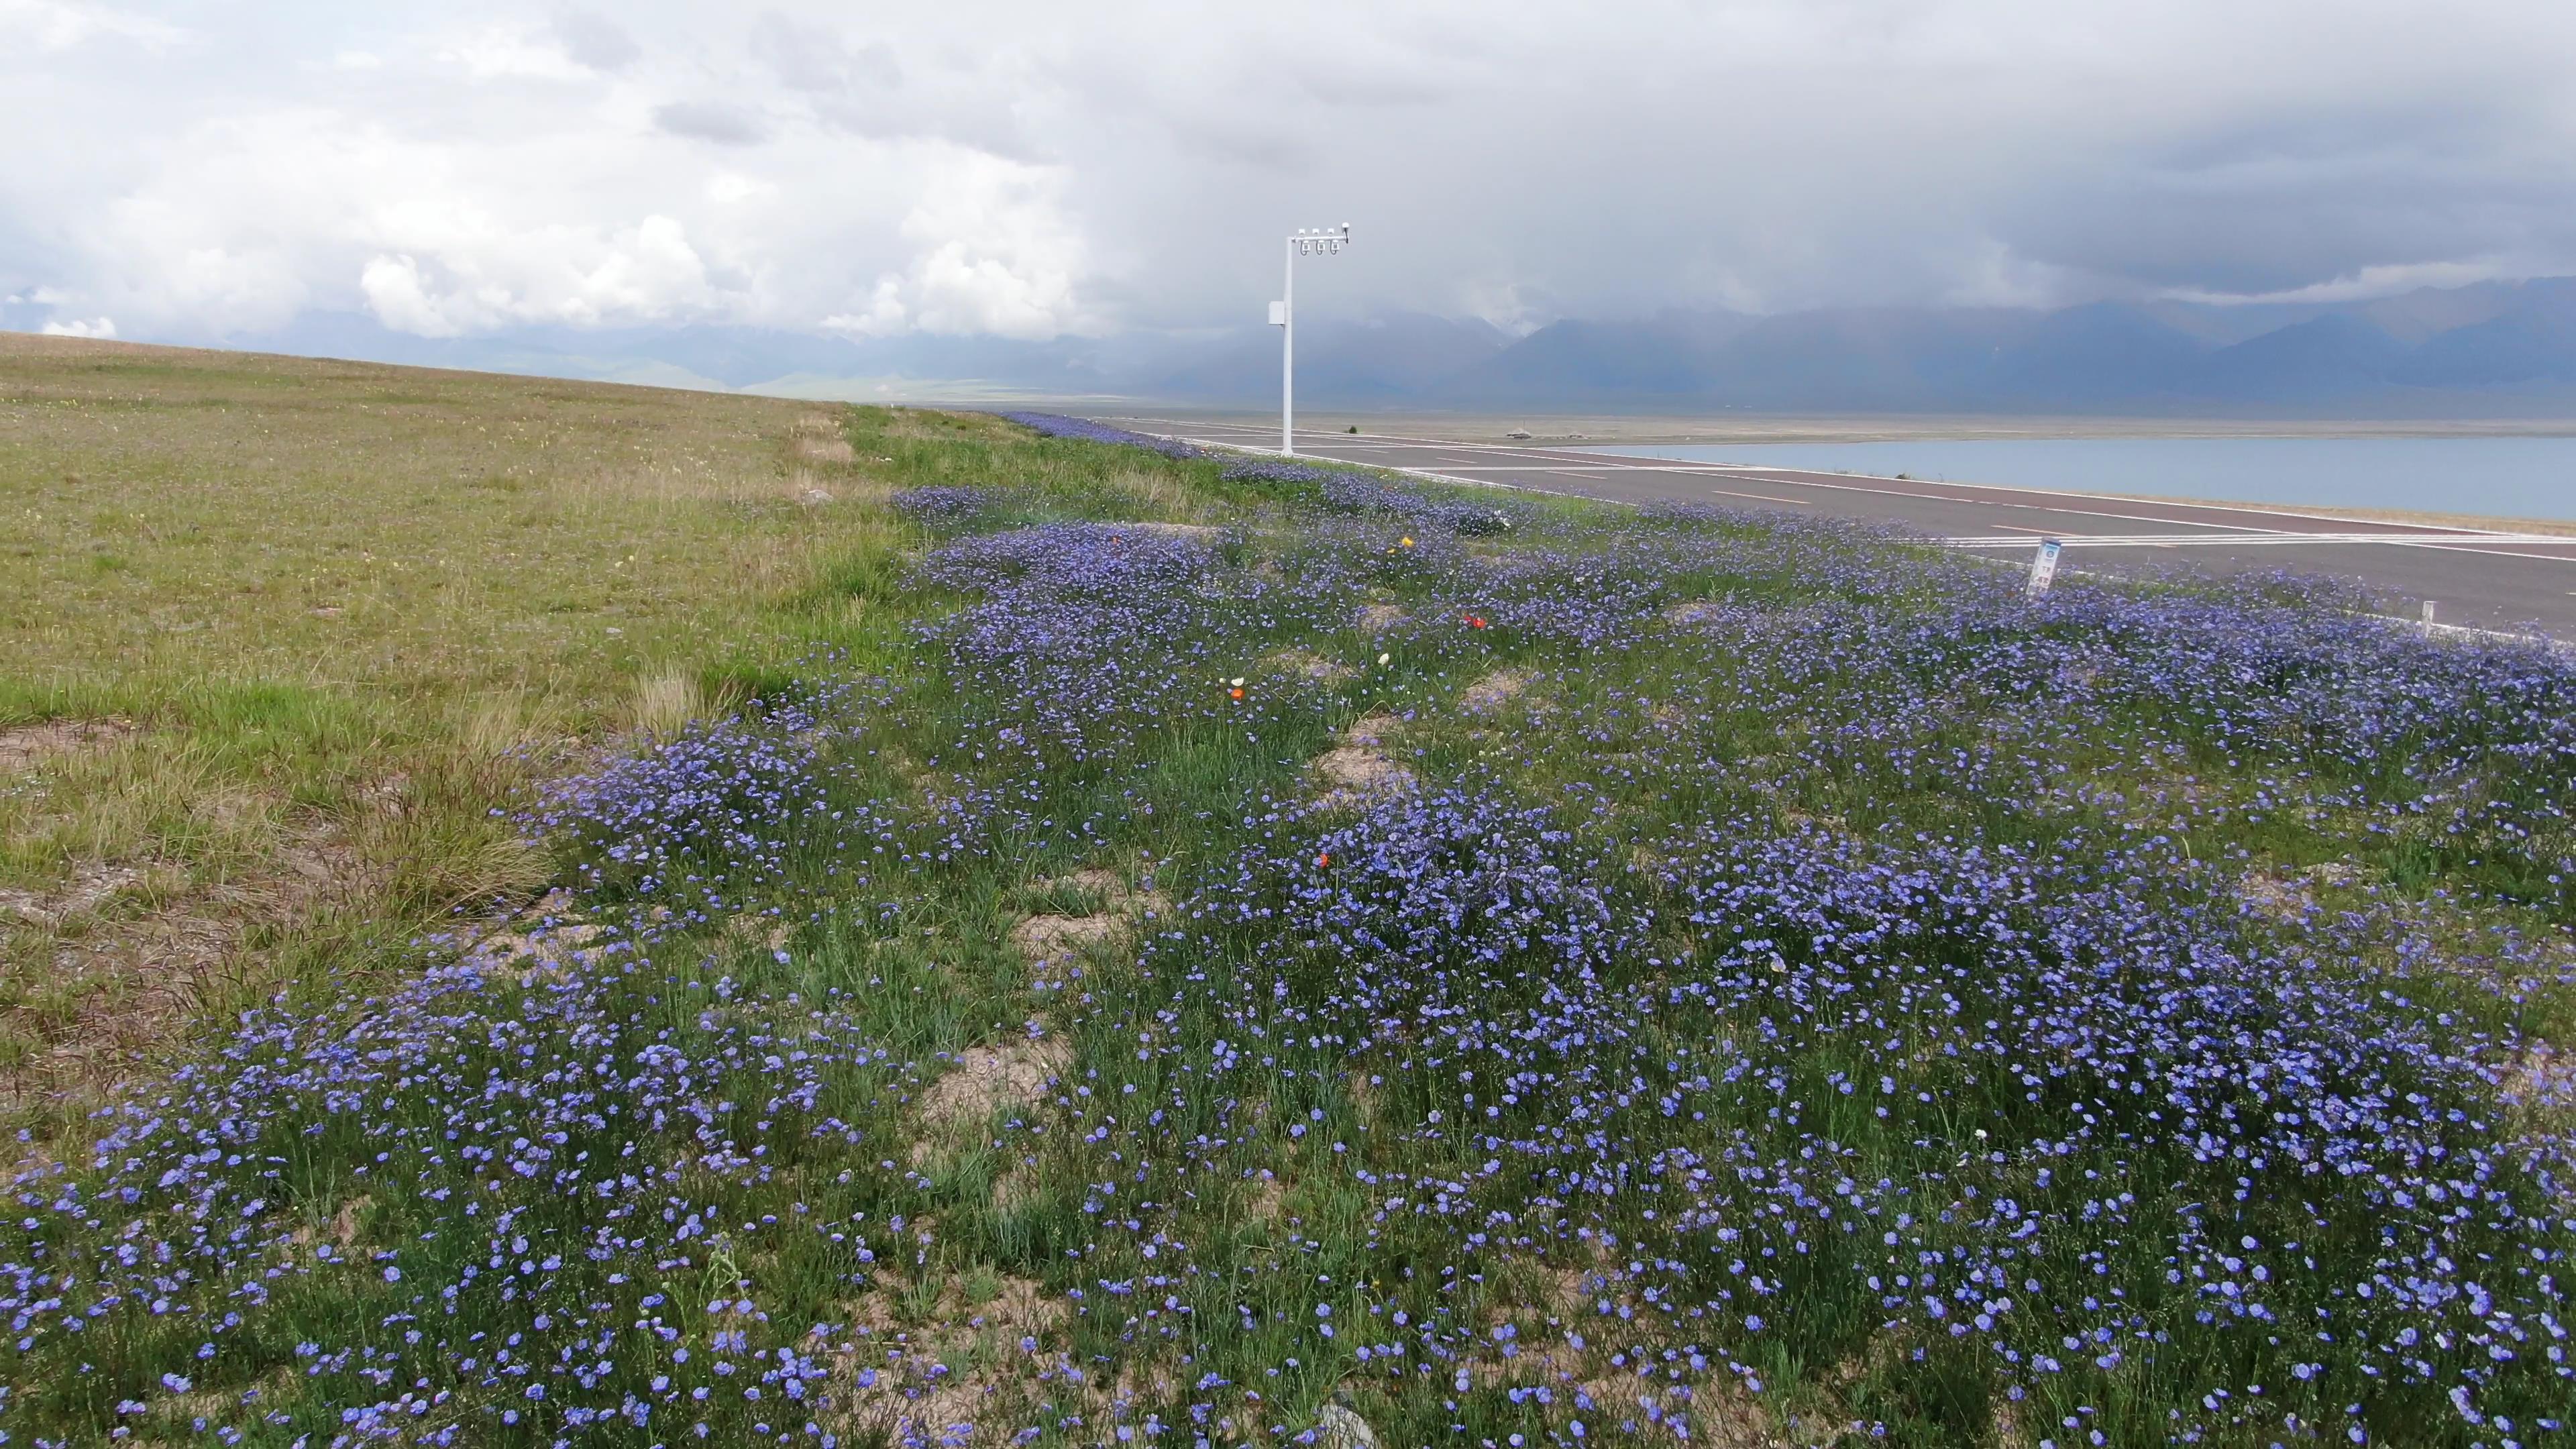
2499,477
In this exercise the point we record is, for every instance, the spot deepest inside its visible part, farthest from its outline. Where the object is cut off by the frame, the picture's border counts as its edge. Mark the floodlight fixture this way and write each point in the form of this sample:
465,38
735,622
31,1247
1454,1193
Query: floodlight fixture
1283,315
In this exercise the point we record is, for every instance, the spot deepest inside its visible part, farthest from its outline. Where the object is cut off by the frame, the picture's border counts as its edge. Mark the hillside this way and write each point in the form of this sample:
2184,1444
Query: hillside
1076,941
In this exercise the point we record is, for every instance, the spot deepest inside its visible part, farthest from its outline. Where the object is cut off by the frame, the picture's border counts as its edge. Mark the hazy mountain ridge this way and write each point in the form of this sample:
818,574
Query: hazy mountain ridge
2505,349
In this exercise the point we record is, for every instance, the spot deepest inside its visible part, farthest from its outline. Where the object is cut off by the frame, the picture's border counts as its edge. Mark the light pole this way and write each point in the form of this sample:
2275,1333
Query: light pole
1283,315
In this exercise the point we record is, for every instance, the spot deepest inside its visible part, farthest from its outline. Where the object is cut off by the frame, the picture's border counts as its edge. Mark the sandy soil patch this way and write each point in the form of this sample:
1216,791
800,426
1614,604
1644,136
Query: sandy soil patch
1307,664
1109,888
962,1379
1359,768
92,885
1378,618
128,950
1493,691
1042,938
26,746
988,1079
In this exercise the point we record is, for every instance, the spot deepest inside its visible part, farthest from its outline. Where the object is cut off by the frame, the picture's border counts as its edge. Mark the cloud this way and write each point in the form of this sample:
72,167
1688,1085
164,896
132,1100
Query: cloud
54,25
1033,170
2364,284
992,254
515,52
723,123
646,273
593,40
816,59
102,327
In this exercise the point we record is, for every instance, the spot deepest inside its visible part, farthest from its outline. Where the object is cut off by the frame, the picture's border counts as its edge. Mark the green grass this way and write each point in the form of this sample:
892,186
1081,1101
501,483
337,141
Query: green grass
475,534
346,611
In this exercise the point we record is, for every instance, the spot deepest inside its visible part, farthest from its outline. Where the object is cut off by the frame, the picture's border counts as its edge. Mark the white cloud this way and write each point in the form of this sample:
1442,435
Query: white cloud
725,188
884,316
103,327
54,25
515,52
578,278
997,254
2364,283
1036,170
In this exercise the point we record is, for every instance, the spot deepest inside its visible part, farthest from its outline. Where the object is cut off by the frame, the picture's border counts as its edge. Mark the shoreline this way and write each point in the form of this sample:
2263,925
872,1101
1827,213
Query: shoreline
1591,432
1558,429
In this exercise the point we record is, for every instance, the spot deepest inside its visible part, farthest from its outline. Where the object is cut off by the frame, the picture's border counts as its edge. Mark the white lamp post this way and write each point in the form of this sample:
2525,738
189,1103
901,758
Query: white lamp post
1283,315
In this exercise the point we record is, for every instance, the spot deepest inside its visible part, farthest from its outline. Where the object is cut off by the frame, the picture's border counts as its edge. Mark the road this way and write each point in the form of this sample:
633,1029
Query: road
2474,579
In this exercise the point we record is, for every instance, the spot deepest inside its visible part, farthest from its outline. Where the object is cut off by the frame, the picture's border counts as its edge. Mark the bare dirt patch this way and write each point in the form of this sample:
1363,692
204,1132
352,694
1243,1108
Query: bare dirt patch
1201,532
1493,691
1042,938
1378,618
1106,886
2283,897
122,954
963,1377
23,747
92,885
1307,664
1359,769
987,1079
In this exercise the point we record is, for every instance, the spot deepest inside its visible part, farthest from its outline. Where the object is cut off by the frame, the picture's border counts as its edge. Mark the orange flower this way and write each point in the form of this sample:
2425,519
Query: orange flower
1236,693
1324,859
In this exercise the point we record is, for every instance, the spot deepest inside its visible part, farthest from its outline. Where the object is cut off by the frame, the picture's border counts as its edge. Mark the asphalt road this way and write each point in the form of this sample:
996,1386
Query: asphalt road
2474,579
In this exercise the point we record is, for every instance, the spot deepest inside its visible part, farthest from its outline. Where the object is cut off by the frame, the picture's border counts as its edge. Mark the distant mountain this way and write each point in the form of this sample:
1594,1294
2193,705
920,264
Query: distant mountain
2535,341
1339,362
2494,348
1583,363
2337,355
2091,357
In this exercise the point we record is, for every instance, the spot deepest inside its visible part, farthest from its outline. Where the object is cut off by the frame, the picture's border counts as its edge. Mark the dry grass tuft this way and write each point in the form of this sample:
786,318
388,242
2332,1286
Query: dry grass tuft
665,703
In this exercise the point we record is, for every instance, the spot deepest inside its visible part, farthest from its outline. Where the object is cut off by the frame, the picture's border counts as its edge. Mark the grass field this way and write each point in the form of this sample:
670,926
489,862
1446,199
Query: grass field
1069,943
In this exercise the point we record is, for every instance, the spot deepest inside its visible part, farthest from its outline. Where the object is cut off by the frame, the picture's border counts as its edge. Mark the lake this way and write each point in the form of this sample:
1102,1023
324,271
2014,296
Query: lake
2496,477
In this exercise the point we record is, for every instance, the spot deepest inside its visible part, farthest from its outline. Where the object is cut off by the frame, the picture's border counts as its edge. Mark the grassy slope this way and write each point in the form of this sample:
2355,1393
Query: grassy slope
346,609
1250,1138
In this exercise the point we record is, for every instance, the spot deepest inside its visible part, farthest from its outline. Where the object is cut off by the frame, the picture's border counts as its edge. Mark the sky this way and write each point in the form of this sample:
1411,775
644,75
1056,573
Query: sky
205,171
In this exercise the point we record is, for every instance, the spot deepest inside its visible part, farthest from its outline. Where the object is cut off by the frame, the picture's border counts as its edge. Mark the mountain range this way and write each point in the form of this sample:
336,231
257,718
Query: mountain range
2491,349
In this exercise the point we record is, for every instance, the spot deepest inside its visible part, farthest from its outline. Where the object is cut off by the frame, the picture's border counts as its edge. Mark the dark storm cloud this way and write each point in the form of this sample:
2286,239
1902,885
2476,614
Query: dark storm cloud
717,121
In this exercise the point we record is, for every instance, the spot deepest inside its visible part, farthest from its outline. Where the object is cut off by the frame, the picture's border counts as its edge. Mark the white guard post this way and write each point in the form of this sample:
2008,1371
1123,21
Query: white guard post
1283,315
2043,565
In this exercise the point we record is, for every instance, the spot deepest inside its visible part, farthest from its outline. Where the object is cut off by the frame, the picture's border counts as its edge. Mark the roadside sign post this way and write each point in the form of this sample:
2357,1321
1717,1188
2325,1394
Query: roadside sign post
2043,565
1283,315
